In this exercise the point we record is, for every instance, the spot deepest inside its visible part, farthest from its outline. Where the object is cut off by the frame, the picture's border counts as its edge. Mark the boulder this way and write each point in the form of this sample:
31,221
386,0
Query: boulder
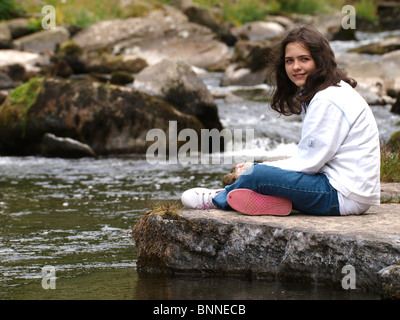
205,17
177,83
41,41
250,63
109,63
391,65
299,247
110,119
162,34
378,76
19,27
259,30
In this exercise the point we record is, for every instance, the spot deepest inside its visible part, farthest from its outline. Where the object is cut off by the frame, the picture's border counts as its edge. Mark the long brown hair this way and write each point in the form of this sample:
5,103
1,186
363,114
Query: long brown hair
287,98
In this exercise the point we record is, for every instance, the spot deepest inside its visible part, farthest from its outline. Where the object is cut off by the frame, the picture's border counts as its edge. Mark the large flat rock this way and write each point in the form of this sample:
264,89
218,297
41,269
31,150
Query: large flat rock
297,246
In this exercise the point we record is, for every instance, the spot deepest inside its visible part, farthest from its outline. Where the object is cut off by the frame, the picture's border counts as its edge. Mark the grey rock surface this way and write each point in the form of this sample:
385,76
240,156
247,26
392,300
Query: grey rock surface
297,246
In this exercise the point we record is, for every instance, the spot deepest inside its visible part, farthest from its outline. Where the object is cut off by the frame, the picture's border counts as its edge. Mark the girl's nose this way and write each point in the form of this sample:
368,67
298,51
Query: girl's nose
296,65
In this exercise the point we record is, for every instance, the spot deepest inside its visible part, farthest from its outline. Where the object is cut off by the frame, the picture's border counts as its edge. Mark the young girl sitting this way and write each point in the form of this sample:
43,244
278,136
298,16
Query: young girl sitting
337,167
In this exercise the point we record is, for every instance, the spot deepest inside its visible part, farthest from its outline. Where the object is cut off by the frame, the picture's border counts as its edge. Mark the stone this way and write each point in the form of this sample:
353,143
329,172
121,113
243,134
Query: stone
162,34
388,14
53,146
110,119
5,81
250,64
260,30
177,83
298,247
41,41
19,27
380,47
390,279
204,16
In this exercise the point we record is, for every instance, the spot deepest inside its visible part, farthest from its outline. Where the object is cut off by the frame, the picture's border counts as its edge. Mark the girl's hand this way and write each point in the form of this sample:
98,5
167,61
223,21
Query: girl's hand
240,168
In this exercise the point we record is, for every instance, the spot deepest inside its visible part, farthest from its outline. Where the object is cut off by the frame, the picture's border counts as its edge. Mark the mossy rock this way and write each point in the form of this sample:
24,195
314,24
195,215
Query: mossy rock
121,77
110,119
69,48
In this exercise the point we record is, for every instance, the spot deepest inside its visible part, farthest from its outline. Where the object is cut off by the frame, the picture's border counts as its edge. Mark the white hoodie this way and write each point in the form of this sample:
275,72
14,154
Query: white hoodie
340,138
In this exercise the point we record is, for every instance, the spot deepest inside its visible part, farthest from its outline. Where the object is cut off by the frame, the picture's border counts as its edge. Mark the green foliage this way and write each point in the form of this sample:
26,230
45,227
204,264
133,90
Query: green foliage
26,93
367,9
85,12
9,9
390,163
303,6
246,11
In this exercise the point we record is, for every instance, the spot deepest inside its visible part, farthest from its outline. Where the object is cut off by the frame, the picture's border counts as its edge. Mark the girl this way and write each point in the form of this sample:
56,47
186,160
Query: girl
337,167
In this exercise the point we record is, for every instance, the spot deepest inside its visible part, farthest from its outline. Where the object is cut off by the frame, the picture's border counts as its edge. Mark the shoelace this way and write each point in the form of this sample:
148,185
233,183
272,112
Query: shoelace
206,205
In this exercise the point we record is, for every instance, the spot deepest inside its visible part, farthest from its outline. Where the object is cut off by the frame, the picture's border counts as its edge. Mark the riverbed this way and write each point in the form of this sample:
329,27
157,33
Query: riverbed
65,225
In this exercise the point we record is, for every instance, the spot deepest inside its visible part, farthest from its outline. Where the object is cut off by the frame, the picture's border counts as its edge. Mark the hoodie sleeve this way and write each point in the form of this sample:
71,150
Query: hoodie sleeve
324,129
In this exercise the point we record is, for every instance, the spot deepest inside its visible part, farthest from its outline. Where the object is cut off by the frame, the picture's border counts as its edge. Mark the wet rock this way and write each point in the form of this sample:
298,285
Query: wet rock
390,279
110,119
301,247
69,53
121,77
177,83
380,47
109,63
53,146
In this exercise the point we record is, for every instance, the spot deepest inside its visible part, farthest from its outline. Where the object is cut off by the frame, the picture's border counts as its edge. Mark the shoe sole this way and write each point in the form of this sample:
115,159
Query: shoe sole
252,203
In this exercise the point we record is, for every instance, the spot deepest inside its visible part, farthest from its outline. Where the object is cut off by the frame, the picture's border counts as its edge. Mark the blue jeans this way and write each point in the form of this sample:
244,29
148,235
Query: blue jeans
309,193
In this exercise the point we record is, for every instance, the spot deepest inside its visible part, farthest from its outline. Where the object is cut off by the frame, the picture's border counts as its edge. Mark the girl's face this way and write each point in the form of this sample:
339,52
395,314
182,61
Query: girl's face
298,63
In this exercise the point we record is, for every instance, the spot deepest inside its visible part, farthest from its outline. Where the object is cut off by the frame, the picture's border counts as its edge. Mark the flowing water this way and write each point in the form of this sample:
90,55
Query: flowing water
75,216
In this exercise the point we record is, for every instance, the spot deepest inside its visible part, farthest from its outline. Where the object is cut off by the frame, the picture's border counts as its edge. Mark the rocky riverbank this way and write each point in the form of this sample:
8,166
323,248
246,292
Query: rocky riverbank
158,57
299,247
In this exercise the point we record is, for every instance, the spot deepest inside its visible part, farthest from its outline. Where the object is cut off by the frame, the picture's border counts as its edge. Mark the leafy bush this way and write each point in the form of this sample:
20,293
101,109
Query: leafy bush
9,9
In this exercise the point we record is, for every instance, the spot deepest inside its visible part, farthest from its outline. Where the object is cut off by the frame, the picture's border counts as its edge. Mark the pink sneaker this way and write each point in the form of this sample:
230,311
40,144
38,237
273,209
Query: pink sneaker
252,203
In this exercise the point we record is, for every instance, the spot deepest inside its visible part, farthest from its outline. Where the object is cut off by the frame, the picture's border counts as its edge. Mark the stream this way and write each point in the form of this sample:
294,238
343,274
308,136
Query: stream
74,217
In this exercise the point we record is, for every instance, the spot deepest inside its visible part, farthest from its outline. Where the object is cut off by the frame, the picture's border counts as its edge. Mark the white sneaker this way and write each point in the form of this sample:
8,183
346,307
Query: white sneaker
199,198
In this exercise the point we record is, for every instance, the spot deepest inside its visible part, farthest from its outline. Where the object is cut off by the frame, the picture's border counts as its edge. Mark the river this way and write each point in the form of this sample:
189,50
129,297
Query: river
65,225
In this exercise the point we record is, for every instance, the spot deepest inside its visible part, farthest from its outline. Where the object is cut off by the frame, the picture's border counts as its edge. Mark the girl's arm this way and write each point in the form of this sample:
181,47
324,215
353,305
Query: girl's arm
324,130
